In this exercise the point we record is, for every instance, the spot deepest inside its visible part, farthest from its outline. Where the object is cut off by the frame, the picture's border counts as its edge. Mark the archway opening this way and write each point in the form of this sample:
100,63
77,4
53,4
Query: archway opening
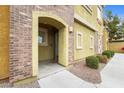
50,33
49,19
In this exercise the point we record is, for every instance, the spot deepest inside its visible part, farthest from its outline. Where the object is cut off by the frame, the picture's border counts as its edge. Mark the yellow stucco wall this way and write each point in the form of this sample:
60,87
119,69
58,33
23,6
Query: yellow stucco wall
89,17
47,52
86,50
105,40
80,10
116,46
92,19
4,42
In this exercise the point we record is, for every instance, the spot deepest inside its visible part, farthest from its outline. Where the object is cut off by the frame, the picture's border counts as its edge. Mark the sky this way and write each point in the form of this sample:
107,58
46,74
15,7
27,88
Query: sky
116,10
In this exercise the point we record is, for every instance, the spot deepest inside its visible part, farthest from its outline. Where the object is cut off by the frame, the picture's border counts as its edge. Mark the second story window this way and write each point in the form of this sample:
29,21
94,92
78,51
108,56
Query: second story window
88,8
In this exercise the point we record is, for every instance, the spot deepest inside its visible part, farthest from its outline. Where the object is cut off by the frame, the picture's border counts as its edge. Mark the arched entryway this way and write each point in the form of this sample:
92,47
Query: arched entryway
53,43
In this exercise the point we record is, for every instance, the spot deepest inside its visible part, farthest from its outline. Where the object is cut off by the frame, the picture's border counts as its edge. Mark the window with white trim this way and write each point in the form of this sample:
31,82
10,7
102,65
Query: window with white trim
43,36
99,13
91,42
79,40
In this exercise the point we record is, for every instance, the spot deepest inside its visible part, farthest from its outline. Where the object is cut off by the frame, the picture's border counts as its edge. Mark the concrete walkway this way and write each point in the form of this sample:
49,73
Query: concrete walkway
113,74
48,68
64,79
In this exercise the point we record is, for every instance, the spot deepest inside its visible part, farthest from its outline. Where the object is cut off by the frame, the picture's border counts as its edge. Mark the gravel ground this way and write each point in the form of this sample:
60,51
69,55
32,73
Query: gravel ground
82,71
33,84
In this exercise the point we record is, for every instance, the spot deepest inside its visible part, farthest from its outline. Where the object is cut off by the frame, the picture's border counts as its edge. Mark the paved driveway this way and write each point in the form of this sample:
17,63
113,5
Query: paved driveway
113,74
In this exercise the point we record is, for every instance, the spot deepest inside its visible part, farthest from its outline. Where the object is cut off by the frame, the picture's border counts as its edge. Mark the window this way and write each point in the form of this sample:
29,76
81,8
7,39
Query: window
91,42
79,40
88,8
99,13
43,37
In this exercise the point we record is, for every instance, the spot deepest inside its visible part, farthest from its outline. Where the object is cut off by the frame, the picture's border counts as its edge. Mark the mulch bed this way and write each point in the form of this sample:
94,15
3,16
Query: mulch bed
82,71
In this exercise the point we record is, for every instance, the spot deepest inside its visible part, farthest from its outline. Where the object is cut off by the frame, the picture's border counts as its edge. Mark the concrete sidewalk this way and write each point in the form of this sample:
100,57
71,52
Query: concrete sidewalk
113,74
64,79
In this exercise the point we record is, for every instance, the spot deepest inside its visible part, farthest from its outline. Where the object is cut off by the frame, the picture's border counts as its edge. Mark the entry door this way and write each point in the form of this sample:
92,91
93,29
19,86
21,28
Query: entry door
4,39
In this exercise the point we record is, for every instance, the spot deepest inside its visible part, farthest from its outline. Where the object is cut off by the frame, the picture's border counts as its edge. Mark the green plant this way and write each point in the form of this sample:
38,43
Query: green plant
112,53
107,53
102,58
92,62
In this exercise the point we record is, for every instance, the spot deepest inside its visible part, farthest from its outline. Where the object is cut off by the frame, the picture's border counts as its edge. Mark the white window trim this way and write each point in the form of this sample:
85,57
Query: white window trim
92,42
46,37
77,45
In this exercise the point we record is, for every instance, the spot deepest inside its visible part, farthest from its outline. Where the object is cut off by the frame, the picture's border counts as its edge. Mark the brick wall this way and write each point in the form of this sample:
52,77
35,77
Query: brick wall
21,37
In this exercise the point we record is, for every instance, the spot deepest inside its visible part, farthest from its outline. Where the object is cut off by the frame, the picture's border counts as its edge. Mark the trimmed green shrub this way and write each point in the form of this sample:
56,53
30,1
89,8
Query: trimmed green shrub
107,53
102,58
92,62
112,53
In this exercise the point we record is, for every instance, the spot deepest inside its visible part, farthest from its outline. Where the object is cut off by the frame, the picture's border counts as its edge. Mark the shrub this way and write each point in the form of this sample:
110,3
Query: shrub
92,62
102,58
107,53
112,53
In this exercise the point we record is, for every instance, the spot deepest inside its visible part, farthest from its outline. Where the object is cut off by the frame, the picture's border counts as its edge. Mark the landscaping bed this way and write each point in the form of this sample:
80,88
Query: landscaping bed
90,68
88,74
